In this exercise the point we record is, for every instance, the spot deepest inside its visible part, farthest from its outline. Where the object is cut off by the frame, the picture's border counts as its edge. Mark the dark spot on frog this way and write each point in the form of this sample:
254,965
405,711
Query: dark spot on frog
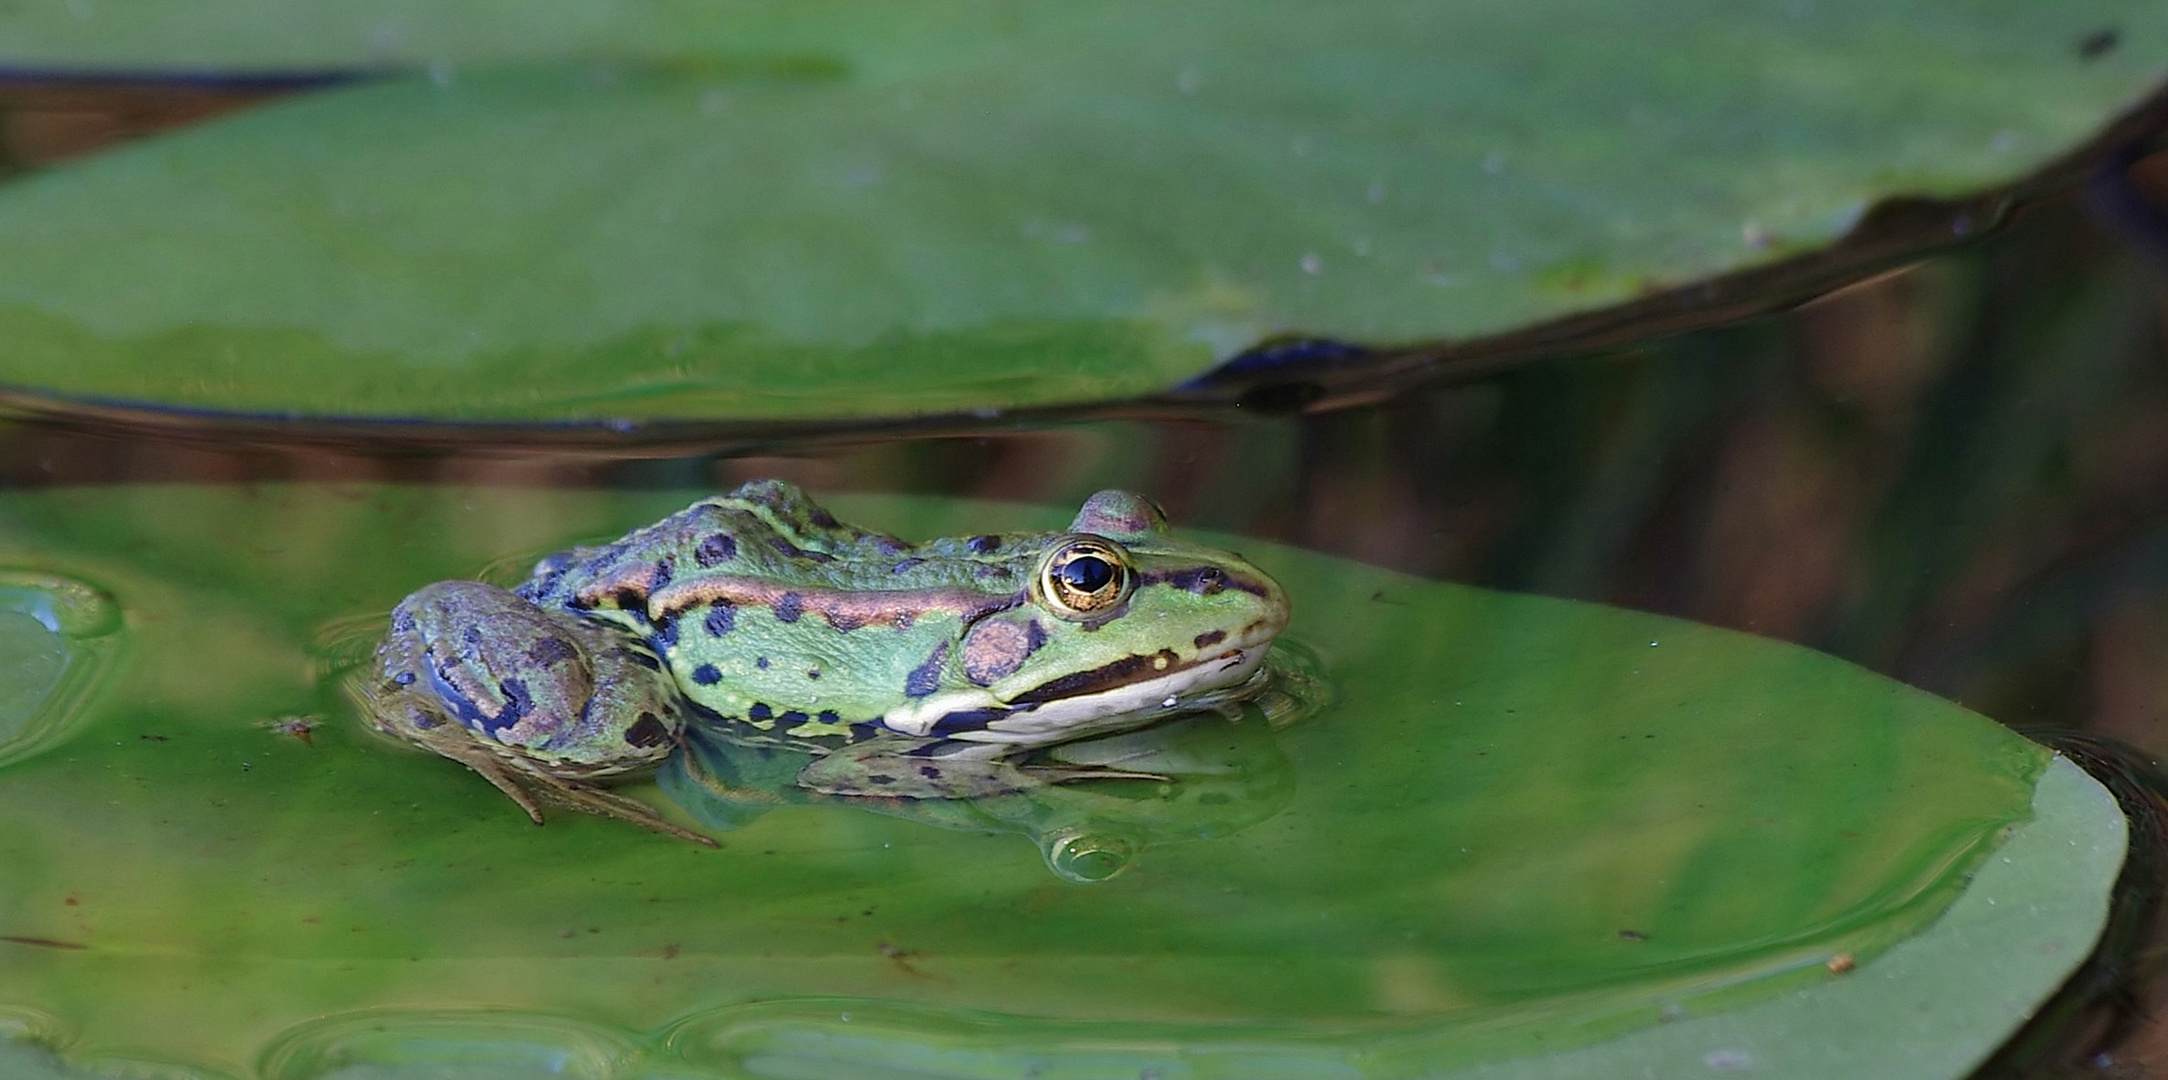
722,618
665,633
789,720
448,692
821,517
926,677
664,571
829,716
714,549
813,673
545,652
930,772
983,545
889,545
996,648
761,662
517,704
788,607
760,713
904,566
706,675
402,621
966,720
632,600
880,778
648,731
1210,638
404,678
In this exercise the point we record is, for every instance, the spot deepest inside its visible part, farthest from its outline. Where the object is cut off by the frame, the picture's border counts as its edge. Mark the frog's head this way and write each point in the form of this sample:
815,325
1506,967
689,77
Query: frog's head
1121,623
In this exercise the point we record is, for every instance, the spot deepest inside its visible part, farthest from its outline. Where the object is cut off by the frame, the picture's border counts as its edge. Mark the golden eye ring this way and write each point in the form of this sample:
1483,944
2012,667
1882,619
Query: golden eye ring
1084,577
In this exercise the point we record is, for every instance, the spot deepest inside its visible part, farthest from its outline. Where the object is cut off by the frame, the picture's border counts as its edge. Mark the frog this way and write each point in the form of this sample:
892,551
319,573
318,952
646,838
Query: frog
931,670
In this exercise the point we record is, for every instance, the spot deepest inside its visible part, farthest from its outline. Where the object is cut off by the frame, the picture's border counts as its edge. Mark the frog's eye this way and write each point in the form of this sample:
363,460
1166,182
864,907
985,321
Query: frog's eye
1083,577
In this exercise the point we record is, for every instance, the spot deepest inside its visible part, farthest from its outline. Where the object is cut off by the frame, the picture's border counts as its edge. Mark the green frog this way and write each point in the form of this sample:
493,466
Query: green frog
927,670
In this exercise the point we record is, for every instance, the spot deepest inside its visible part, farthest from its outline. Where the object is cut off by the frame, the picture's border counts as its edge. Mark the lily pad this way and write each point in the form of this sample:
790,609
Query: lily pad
1526,828
786,210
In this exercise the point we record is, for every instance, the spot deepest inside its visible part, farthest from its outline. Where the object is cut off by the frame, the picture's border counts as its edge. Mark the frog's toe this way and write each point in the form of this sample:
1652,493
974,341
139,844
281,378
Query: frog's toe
504,780
609,804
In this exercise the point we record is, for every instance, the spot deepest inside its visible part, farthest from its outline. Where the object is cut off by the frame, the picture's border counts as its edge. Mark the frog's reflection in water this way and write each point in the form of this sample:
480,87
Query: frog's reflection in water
1211,774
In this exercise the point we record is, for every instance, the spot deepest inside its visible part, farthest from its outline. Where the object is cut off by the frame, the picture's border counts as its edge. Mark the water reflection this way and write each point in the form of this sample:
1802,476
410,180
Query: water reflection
1212,776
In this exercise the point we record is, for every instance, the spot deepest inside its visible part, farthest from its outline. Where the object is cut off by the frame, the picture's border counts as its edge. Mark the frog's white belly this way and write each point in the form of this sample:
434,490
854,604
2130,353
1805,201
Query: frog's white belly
1068,718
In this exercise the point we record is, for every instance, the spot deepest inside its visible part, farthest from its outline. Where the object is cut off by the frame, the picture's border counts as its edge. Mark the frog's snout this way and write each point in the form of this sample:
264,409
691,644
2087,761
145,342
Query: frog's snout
1270,607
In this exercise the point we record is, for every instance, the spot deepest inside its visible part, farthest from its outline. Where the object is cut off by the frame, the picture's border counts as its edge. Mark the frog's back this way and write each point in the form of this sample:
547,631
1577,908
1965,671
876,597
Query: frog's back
770,532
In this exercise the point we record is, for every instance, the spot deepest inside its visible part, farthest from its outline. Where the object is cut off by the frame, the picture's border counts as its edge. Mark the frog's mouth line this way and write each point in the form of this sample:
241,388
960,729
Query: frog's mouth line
977,717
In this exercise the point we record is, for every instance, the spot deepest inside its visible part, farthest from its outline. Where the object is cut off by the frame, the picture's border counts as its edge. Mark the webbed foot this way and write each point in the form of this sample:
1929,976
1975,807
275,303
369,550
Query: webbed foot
530,789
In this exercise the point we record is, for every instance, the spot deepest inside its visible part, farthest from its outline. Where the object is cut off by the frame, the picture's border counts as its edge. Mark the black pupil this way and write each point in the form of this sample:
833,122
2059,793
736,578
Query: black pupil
1087,573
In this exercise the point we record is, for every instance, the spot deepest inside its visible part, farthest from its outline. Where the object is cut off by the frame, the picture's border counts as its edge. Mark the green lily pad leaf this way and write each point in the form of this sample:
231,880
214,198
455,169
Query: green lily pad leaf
1522,829
790,211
